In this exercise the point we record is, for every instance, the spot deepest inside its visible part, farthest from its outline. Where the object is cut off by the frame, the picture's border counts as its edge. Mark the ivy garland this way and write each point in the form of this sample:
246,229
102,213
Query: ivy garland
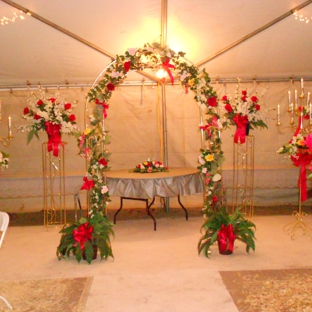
152,56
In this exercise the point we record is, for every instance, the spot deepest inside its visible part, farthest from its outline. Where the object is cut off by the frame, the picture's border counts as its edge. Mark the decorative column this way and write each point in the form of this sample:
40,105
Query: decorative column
243,176
53,168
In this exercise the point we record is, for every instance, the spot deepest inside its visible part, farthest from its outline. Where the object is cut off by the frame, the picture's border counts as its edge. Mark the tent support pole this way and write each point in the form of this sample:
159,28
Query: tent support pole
257,31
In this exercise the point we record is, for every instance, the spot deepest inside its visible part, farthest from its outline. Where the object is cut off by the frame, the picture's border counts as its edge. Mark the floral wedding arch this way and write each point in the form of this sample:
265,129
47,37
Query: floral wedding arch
92,142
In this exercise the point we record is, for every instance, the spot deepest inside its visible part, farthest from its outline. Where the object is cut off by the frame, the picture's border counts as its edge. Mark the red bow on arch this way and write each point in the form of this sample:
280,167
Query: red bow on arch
166,66
104,105
88,184
240,134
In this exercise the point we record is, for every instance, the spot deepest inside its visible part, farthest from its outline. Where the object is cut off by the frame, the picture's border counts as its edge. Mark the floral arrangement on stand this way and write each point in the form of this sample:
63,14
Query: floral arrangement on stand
150,165
92,234
242,111
51,115
225,229
4,161
299,150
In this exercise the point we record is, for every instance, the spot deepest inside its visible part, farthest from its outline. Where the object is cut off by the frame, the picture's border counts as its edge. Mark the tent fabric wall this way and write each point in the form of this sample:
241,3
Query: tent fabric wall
133,124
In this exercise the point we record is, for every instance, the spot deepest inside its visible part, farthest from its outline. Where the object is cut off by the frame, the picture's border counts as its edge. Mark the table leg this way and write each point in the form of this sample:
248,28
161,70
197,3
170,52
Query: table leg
148,206
186,213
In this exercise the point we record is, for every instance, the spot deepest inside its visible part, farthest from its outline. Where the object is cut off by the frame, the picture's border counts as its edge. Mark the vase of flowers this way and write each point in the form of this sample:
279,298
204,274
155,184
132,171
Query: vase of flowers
51,115
4,161
85,238
243,111
223,228
150,165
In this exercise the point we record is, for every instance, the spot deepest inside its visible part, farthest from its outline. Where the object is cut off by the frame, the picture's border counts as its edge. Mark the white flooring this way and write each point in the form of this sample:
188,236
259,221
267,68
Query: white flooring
155,270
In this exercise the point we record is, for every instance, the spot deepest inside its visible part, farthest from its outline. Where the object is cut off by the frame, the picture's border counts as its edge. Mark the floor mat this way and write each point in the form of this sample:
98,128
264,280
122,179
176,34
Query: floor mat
270,290
66,294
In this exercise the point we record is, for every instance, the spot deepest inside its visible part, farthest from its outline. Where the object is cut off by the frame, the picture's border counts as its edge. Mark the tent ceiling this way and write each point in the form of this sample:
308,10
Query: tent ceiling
33,51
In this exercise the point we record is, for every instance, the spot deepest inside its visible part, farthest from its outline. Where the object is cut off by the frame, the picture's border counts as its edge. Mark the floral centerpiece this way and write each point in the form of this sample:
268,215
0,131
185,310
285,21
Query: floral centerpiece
51,115
224,228
4,161
242,111
151,165
299,150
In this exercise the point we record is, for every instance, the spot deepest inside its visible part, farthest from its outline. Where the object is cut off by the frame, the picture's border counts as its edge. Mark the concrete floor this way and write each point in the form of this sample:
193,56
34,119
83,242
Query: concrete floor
155,270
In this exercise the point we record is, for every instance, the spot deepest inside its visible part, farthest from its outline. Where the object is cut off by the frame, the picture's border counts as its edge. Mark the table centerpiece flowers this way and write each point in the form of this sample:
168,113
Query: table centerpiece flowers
51,115
243,111
224,228
4,161
150,165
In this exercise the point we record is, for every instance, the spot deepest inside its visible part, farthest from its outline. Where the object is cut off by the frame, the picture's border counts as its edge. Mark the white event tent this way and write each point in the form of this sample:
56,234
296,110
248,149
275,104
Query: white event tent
64,45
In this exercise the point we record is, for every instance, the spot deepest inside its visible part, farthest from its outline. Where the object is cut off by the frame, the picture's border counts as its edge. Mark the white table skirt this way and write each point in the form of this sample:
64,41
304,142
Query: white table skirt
178,181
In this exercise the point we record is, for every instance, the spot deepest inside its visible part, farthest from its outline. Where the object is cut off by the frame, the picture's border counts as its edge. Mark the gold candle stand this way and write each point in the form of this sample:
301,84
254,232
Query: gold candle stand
53,168
291,228
243,176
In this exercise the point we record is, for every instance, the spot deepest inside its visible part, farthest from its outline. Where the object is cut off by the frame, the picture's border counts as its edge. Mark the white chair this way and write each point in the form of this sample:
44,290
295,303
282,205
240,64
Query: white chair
4,223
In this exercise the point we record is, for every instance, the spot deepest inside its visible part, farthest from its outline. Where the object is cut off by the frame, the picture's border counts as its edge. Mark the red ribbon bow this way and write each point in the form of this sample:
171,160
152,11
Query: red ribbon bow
88,184
82,234
302,160
240,134
226,238
166,66
54,134
104,105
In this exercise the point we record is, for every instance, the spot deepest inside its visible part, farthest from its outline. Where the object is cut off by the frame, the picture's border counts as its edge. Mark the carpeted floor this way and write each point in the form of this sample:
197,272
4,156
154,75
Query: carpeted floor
36,218
270,290
49,295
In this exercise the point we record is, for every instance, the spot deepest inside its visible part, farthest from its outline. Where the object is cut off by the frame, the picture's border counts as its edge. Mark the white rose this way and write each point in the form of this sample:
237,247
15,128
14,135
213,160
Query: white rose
216,177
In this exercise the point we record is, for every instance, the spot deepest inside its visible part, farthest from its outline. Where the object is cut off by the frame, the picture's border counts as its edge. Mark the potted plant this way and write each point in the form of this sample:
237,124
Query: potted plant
224,228
85,238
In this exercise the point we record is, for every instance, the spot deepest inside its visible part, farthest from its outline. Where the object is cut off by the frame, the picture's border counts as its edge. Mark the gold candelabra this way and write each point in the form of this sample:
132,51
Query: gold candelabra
298,109
6,141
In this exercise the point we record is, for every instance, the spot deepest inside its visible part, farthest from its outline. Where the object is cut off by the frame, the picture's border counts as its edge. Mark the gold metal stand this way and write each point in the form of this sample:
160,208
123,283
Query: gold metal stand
243,176
292,227
53,186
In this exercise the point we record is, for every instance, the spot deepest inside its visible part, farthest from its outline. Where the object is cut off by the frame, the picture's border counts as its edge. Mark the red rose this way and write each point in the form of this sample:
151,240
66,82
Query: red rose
224,98
67,106
244,92
254,99
306,116
37,117
72,117
214,199
257,107
103,162
26,110
212,101
229,108
40,102
110,86
127,66
52,100
244,98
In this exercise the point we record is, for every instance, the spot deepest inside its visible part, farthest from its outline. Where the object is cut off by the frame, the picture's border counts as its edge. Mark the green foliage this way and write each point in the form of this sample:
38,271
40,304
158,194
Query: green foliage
102,231
243,229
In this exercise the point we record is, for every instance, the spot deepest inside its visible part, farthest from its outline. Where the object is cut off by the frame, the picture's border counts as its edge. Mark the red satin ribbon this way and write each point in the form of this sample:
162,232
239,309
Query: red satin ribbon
302,160
82,234
104,105
299,126
54,134
88,184
226,238
166,66
240,134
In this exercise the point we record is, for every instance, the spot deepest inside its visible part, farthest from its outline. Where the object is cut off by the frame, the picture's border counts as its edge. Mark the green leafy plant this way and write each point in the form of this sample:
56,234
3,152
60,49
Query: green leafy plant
243,229
82,237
